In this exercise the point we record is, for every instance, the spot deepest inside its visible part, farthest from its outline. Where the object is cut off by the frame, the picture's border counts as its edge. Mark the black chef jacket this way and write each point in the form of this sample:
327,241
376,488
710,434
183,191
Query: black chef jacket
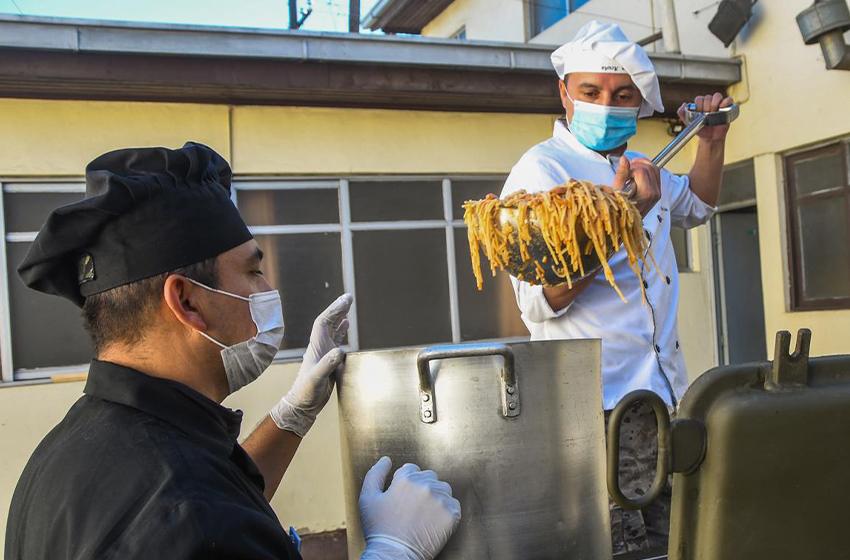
143,468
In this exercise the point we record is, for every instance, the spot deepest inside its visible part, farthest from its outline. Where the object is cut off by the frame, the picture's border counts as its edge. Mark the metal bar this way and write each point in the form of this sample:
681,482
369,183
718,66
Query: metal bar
737,205
289,354
305,228
6,364
721,289
657,36
354,16
48,372
9,384
683,138
454,304
293,14
16,188
348,262
277,184
400,225
21,237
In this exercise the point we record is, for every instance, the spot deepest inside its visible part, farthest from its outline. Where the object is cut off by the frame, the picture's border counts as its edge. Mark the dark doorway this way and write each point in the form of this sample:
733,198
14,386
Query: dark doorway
738,286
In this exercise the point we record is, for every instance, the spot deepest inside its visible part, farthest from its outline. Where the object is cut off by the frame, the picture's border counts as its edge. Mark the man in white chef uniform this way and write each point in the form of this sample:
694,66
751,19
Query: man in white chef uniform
607,83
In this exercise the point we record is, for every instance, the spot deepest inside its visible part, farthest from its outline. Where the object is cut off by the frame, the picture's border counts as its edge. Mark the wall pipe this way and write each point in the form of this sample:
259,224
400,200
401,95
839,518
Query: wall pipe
669,27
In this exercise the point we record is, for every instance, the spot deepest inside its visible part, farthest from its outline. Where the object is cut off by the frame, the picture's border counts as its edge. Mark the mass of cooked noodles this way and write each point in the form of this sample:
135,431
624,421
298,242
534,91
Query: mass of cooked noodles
573,219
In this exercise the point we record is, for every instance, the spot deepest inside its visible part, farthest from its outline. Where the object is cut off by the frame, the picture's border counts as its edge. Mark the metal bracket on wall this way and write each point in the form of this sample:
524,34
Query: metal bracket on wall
788,369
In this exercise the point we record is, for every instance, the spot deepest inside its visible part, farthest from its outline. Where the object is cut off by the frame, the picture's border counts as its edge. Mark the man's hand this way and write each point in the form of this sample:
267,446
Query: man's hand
709,104
412,520
647,178
297,411
707,172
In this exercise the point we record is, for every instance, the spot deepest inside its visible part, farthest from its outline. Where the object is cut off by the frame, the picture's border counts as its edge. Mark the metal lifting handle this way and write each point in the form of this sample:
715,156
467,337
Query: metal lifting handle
697,122
664,458
508,380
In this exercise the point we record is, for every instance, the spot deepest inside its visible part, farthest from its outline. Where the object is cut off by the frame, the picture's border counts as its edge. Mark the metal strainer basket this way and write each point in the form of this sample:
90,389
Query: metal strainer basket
539,252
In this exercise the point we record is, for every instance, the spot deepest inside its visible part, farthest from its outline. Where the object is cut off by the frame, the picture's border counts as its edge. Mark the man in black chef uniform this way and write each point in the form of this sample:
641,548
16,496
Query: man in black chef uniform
146,464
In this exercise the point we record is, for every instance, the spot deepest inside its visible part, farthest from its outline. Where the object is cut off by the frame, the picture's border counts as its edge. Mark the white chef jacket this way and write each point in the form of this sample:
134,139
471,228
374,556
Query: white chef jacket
640,343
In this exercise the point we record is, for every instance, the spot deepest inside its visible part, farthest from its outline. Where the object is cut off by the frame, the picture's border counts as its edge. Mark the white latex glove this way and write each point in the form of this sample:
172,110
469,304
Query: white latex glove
412,520
297,411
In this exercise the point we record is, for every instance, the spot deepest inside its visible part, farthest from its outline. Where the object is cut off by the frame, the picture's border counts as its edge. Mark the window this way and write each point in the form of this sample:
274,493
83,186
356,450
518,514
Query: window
460,34
818,207
41,334
739,186
398,243
682,248
543,14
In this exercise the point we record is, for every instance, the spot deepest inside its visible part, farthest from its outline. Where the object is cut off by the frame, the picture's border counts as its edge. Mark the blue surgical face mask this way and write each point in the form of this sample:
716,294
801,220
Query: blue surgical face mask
601,127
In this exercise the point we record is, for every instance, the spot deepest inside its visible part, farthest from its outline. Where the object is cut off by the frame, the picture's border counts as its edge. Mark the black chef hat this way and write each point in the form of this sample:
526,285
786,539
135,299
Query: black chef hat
146,211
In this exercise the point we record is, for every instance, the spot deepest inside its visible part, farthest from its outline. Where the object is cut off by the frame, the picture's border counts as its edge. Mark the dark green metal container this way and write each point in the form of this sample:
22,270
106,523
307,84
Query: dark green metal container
761,456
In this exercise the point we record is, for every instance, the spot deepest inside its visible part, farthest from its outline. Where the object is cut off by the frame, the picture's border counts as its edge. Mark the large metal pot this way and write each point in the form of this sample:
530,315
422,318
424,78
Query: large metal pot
516,429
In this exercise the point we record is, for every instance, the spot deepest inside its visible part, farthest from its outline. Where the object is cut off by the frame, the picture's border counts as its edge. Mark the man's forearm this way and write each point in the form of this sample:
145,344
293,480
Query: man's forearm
272,450
560,297
707,172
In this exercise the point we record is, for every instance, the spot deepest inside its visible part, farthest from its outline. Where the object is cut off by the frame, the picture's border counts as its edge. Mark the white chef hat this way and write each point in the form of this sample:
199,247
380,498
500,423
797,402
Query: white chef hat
603,48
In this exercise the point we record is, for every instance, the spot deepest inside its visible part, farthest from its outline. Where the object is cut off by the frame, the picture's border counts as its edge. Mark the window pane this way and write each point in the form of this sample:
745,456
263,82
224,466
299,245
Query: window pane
825,171
29,211
307,270
46,330
576,4
402,288
545,13
826,270
492,312
739,184
679,238
396,200
472,190
288,207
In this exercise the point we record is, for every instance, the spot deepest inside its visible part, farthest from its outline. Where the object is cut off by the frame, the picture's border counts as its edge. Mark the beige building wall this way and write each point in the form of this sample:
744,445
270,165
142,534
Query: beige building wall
310,141
789,101
485,20
507,20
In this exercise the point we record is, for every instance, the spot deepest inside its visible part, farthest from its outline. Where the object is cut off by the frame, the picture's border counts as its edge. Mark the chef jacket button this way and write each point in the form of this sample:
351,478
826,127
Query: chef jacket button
657,348
645,285
667,278
648,235
660,219
677,345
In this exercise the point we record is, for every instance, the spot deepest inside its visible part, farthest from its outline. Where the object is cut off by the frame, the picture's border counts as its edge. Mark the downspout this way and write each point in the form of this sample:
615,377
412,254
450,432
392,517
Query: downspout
669,27
825,22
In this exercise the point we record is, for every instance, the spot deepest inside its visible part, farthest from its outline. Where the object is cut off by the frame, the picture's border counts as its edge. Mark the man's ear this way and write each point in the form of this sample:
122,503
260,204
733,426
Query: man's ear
182,298
565,101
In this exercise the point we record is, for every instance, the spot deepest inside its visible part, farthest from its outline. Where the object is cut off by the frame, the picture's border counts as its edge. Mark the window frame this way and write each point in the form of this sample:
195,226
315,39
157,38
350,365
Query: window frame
797,298
345,227
26,185
569,5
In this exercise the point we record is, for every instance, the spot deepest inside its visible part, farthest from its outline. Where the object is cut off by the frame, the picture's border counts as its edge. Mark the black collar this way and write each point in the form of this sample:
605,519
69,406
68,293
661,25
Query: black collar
199,417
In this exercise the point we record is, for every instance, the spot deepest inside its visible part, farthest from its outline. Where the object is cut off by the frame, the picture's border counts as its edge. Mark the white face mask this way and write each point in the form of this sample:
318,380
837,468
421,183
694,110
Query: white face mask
244,362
